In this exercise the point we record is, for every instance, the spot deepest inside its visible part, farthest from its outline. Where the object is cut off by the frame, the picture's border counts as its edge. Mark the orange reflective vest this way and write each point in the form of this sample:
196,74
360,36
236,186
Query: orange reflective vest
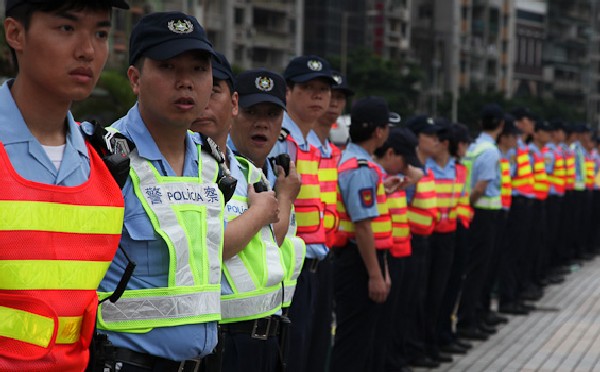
569,156
57,243
505,184
381,225
541,185
308,204
328,176
590,172
448,192
400,230
523,181
422,211
557,178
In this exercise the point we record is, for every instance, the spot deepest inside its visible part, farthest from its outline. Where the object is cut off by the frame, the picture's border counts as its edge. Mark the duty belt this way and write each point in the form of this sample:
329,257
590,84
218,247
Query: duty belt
260,329
151,362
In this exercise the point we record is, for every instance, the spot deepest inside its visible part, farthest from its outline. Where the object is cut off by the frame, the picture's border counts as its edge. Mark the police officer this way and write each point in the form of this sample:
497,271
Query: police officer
62,211
309,80
173,205
483,161
361,277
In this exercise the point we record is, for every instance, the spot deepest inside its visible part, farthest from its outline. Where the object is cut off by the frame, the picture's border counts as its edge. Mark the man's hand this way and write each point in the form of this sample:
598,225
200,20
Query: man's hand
392,184
266,204
378,289
288,187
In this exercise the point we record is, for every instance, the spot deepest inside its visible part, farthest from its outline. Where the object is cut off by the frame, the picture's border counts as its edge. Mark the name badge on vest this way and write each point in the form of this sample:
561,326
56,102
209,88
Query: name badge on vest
182,193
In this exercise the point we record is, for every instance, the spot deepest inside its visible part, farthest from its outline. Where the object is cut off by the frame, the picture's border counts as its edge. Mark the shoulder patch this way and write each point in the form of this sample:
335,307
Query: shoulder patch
367,197
283,134
362,163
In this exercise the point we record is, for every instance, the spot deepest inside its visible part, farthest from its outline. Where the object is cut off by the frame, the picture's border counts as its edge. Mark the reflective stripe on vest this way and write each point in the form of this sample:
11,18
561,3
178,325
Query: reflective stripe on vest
187,212
328,176
590,172
523,181
256,273
400,230
557,178
59,242
308,204
579,158
505,184
464,211
448,193
382,224
569,169
422,210
541,185
293,251
484,202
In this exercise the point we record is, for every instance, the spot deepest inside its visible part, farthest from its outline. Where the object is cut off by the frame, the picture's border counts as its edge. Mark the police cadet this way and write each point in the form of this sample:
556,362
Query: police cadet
309,80
173,205
397,157
320,343
255,130
519,219
483,162
579,223
361,277
422,214
588,169
62,211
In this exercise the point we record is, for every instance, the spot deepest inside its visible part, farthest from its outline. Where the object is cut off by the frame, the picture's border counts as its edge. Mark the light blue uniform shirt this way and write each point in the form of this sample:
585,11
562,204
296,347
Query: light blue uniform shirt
28,157
552,160
486,167
318,251
149,251
447,172
356,183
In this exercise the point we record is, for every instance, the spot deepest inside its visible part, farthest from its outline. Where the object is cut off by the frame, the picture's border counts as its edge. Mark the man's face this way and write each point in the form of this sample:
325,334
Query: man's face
256,129
337,104
428,143
542,136
215,121
309,100
173,92
558,136
526,125
62,53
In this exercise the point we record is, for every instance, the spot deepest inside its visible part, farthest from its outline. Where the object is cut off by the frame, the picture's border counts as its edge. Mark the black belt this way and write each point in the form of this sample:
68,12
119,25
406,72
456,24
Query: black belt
260,329
152,362
311,264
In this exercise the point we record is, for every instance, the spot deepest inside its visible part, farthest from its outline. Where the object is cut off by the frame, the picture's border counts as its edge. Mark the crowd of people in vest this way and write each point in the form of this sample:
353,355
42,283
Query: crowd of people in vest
259,244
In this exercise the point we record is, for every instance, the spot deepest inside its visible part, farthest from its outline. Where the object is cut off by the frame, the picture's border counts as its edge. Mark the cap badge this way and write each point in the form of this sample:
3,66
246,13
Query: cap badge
264,83
181,26
314,65
338,79
430,121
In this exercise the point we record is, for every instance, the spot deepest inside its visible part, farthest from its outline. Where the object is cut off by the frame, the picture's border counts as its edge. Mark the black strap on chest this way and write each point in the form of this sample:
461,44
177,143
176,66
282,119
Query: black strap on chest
225,180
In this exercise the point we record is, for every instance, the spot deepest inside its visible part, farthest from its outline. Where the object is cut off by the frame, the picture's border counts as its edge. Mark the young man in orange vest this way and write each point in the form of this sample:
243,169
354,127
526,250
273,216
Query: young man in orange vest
320,343
62,211
309,80
360,271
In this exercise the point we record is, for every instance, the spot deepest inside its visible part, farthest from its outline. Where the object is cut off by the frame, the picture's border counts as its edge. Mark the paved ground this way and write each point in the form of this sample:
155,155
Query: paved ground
563,335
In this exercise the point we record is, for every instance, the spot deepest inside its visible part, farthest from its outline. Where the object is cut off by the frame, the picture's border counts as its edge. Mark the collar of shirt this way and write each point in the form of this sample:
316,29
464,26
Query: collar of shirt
241,187
535,149
314,140
447,171
295,131
18,131
484,137
355,151
132,126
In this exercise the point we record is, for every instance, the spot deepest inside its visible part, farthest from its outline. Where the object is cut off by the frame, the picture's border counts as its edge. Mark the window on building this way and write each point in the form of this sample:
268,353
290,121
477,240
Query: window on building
239,16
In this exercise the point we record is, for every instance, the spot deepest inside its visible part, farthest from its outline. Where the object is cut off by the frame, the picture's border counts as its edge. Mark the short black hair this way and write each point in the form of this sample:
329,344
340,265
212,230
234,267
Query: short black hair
23,12
227,81
489,123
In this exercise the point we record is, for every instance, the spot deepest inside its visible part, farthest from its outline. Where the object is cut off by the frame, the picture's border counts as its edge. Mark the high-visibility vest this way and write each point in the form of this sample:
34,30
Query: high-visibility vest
448,192
187,213
590,172
541,185
308,204
400,231
558,176
523,181
255,274
57,244
381,225
579,161
505,184
293,251
569,155
484,202
422,210
328,176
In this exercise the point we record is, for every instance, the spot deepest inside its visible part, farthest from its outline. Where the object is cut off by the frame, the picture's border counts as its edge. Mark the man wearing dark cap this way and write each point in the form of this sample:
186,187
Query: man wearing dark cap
309,80
397,156
62,210
483,162
361,277
583,187
173,204
320,343
249,305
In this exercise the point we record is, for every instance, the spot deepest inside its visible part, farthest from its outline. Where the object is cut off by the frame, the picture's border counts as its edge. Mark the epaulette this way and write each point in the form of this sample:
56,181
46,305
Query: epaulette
362,163
283,135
